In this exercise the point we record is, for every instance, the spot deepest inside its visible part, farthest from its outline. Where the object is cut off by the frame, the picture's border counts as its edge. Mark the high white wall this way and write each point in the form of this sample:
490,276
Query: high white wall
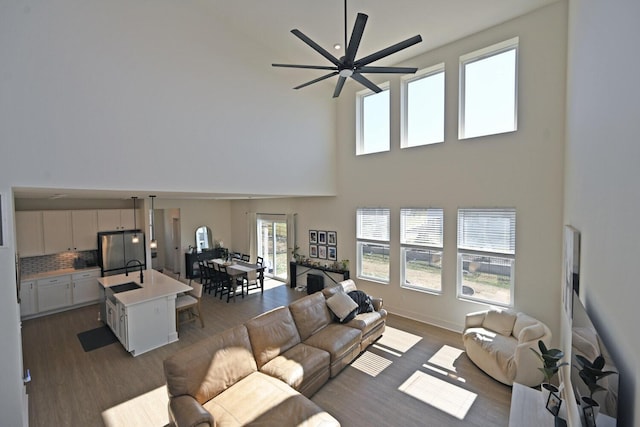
523,170
602,194
143,97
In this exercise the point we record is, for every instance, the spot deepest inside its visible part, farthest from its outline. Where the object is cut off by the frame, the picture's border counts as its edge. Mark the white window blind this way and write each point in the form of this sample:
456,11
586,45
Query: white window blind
487,230
421,227
373,224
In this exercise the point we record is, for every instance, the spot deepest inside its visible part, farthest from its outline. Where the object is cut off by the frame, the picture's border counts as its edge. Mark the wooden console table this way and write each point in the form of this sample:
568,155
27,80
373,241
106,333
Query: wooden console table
294,273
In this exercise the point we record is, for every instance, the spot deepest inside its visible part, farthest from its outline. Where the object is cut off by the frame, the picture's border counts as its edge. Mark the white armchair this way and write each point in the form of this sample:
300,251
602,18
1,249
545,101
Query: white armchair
499,343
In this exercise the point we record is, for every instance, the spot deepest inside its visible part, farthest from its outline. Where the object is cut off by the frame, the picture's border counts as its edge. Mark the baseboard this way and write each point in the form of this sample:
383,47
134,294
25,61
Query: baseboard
421,317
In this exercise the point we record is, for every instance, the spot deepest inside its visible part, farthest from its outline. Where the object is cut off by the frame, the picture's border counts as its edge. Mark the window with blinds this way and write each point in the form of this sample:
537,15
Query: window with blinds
421,240
372,234
486,255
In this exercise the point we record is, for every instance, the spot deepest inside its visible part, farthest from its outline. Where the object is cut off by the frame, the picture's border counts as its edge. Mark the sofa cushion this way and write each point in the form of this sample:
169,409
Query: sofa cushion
523,321
299,365
207,368
337,339
261,400
499,321
310,314
492,352
343,306
272,333
367,321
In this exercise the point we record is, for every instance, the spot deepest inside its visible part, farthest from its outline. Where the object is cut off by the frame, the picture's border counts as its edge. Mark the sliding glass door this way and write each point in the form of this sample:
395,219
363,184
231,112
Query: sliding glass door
272,245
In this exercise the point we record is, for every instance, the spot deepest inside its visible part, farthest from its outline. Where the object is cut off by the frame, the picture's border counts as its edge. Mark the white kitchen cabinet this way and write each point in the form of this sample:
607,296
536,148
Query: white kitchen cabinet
57,231
112,316
84,230
116,219
85,287
29,234
54,293
28,298
123,325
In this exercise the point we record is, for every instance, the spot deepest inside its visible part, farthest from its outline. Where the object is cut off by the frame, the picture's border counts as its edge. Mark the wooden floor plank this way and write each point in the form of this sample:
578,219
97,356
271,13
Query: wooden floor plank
109,387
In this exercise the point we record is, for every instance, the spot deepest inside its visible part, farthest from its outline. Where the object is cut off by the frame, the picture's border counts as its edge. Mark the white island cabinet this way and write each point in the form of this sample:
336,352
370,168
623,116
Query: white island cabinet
144,318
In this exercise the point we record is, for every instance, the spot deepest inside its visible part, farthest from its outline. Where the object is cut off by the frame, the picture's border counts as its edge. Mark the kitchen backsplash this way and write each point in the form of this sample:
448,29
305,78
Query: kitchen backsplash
61,261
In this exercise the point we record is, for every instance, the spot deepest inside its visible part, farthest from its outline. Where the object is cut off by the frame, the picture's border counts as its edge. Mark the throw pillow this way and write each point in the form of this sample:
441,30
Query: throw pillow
342,306
499,321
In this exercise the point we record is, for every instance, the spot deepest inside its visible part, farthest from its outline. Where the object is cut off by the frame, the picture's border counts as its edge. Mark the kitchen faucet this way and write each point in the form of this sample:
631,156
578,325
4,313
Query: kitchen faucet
126,269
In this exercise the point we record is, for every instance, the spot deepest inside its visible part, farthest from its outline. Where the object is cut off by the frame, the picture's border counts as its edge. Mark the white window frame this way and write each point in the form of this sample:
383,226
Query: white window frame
372,238
406,80
434,242
360,113
504,252
479,55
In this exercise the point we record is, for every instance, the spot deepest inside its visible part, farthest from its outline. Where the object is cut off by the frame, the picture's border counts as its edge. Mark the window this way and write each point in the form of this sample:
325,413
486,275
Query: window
486,255
421,233
372,112
423,107
372,228
271,242
488,92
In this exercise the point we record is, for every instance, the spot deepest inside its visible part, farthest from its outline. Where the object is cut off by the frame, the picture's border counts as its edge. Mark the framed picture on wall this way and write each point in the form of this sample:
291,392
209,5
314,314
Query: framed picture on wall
322,252
332,253
332,238
313,236
313,251
322,237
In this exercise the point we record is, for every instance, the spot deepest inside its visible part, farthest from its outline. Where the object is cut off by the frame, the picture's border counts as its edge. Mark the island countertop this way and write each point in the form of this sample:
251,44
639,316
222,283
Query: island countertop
156,285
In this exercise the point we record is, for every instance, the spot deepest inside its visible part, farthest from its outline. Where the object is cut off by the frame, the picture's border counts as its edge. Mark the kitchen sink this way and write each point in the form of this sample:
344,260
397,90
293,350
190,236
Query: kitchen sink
129,286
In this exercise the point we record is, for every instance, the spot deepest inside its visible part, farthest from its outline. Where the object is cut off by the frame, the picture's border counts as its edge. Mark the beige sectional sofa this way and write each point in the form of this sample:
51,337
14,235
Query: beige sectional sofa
264,371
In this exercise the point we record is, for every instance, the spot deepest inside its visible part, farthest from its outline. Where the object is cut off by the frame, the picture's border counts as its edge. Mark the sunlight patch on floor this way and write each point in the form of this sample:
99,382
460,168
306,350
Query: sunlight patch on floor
149,409
371,364
440,394
395,339
446,357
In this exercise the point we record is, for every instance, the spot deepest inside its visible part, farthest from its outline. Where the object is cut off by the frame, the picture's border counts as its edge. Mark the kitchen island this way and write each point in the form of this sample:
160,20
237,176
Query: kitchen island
141,313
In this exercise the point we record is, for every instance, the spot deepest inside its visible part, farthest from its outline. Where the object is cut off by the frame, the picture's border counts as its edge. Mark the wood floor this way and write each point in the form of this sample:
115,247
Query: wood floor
415,375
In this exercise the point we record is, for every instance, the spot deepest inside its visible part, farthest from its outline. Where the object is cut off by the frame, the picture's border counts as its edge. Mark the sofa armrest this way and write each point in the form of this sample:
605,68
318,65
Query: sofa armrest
377,303
474,320
527,363
185,411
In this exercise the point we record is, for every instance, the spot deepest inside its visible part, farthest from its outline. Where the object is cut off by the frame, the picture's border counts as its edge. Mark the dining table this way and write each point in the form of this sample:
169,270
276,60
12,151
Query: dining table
240,269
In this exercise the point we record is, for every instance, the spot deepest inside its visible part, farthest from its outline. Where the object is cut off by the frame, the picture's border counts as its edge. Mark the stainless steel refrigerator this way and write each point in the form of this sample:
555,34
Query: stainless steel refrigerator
116,249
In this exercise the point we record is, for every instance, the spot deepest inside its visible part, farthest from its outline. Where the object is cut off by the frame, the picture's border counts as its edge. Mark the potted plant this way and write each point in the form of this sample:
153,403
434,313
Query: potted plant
549,358
295,254
591,373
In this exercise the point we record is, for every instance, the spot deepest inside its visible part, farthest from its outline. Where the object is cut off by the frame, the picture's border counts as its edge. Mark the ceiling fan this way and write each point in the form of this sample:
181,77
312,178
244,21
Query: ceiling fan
348,66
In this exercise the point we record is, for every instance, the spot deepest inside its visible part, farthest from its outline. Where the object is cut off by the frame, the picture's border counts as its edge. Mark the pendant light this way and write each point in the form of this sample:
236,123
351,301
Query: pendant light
135,238
153,244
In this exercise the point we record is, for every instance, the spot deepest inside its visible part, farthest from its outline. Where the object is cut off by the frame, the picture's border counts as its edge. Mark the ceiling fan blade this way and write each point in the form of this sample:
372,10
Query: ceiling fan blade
319,79
336,92
390,70
365,82
315,46
313,67
356,37
388,51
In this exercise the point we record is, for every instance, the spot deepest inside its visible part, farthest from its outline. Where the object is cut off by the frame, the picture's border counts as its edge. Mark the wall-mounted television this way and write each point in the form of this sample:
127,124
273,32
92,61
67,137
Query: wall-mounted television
586,341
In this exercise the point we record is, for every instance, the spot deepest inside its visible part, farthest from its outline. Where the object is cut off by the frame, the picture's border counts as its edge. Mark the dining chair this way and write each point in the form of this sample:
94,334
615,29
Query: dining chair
190,303
215,278
204,275
253,279
228,285
245,257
